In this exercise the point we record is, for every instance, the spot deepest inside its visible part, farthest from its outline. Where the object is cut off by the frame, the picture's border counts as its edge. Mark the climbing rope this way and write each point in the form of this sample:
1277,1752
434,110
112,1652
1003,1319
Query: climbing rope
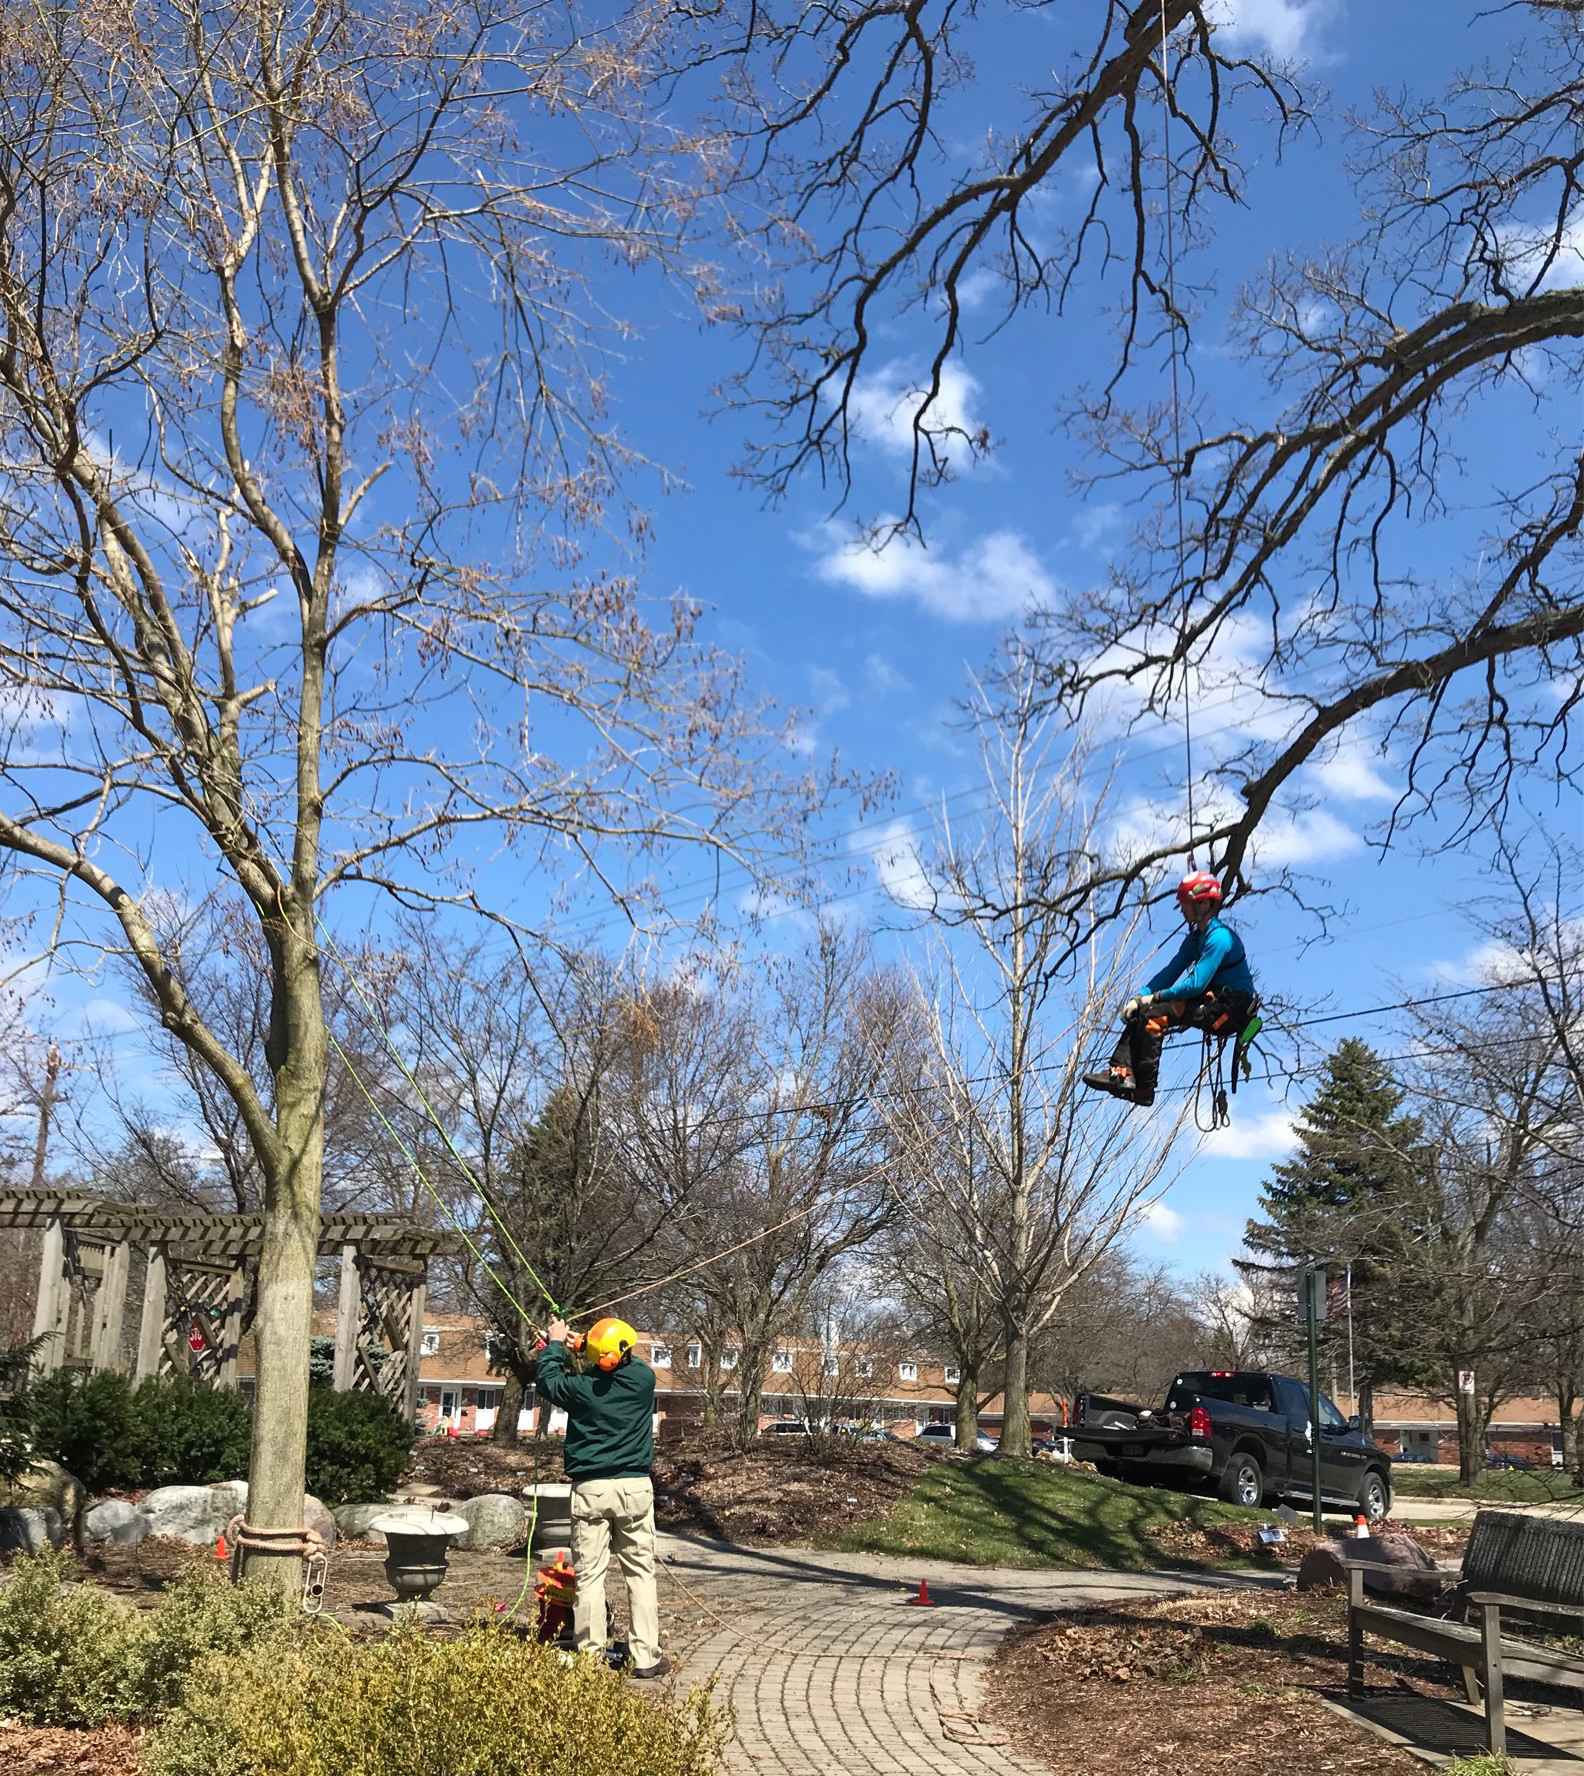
1176,413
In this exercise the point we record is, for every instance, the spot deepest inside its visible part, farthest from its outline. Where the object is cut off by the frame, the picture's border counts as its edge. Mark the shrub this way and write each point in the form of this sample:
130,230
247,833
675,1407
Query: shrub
358,1445
70,1656
189,1433
410,1707
203,1614
88,1423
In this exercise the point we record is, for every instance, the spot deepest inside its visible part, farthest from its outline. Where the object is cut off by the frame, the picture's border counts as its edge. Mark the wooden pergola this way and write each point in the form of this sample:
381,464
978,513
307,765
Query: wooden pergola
196,1283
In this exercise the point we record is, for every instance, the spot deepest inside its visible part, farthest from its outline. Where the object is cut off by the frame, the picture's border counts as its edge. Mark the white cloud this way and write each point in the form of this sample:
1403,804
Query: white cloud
1349,775
1312,837
883,678
1096,523
1282,28
995,579
1526,247
830,694
893,850
1282,840
1163,1222
884,406
1267,1137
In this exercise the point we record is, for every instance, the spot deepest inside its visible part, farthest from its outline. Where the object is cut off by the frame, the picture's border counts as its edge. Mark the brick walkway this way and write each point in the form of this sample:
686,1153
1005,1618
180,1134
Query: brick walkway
830,1669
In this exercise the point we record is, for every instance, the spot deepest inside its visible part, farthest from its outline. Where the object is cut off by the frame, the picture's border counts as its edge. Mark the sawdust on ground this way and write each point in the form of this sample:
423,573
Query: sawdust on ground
1191,1685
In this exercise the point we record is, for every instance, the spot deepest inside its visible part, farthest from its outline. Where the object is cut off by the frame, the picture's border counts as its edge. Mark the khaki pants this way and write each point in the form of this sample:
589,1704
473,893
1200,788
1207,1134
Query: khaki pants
620,1512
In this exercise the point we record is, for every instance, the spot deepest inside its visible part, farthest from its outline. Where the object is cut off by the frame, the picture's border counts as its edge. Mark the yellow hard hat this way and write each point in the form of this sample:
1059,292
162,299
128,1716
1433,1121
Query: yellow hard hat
610,1341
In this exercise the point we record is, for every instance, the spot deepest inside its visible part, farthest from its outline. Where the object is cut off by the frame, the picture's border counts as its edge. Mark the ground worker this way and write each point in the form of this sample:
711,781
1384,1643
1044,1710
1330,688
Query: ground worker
1206,986
609,1451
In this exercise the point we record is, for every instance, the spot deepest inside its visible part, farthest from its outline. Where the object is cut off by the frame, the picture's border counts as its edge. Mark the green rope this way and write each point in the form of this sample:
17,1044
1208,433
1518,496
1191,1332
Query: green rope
467,1170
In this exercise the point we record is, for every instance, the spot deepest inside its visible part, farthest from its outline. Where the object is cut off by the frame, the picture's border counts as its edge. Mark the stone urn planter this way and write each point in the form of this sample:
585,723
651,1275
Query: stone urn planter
417,1543
553,1527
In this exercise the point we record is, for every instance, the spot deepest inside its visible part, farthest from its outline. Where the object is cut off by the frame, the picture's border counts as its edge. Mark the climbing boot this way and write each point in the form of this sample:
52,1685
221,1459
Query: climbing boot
1118,1084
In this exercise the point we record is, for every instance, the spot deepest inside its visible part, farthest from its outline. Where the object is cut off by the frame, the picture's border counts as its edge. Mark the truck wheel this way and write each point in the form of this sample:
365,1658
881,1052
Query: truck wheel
1373,1498
1242,1483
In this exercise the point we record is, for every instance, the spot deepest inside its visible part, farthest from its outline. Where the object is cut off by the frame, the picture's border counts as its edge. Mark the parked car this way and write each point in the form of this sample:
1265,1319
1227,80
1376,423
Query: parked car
1245,1433
1499,1458
786,1427
1418,1455
939,1436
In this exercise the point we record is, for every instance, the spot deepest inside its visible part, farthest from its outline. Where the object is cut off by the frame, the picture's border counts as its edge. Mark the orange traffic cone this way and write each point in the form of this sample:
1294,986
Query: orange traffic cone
1361,1528
923,1593
222,1552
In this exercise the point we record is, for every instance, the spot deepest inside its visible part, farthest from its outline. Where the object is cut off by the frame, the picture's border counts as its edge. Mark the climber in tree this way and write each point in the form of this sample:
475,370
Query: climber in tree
1206,986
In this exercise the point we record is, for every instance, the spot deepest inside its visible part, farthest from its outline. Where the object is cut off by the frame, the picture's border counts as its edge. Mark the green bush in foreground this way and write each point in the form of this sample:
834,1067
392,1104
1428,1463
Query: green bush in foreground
72,1656
482,1705
358,1445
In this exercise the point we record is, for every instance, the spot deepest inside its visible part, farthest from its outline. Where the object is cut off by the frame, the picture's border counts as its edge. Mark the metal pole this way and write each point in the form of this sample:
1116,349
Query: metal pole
1311,1316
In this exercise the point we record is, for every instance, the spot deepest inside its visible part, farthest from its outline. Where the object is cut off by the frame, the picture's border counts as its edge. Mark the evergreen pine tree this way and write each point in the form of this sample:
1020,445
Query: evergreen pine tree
1346,1200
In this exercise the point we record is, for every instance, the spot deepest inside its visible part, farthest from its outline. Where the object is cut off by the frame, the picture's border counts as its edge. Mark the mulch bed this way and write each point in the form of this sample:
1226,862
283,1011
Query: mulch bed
1190,1685
780,1490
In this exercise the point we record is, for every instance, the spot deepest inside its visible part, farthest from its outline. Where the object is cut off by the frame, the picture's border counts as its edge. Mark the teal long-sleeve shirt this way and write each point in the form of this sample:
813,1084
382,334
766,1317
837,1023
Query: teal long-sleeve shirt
1212,957
610,1418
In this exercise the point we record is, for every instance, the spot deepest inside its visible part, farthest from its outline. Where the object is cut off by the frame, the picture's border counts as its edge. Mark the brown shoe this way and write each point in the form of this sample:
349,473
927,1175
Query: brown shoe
661,1668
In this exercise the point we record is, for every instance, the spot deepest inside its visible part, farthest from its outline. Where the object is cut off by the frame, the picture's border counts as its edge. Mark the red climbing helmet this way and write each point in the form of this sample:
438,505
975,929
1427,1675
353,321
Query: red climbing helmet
1199,889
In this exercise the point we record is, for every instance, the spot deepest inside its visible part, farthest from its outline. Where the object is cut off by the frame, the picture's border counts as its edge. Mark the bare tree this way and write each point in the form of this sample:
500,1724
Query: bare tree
1384,355
1044,1177
302,434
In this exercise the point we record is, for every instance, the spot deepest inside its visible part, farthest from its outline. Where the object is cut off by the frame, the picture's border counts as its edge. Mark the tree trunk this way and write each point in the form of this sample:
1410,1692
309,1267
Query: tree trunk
1471,1439
513,1390
1014,1396
290,1248
967,1410
1365,1406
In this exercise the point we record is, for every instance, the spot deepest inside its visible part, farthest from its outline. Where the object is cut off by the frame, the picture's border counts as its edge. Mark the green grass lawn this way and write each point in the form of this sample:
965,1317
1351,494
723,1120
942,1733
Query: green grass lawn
1412,1481
1001,1513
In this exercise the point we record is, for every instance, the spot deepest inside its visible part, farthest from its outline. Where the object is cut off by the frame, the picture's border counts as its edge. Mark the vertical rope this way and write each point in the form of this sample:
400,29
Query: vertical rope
1177,454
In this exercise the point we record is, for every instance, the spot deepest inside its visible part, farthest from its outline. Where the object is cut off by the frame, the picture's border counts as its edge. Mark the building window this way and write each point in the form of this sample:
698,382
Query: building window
695,1356
489,1399
781,1361
865,1368
907,1371
429,1344
951,1374
728,1356
830,1363
660,1356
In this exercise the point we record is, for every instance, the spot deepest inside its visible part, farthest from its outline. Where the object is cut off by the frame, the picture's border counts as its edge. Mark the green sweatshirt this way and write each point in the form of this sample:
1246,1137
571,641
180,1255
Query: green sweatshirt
610,1418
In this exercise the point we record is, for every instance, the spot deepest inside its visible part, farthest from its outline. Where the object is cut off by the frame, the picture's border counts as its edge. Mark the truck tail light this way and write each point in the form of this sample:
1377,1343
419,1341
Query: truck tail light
1199,1423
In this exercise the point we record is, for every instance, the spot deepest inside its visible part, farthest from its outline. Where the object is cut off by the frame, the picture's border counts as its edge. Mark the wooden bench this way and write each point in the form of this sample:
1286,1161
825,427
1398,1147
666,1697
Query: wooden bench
1531,1566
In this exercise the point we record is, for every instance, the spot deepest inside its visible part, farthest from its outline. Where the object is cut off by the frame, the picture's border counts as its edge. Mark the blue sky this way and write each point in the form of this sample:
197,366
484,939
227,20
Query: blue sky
874,649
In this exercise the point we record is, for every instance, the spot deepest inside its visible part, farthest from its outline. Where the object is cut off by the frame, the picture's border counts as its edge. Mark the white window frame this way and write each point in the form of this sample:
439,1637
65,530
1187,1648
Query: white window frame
695,1356
781,1361
659,1356
729,1353
489,1399
951,1374
907,1371
865,1368
830,1364
429,1342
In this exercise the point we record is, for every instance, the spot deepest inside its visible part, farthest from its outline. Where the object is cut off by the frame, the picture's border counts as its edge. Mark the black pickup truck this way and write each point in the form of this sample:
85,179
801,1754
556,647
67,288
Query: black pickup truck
1244,1432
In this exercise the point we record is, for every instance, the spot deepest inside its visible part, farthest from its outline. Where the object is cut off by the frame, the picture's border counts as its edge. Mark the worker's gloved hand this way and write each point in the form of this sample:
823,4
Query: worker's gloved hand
1133,1006
556,1332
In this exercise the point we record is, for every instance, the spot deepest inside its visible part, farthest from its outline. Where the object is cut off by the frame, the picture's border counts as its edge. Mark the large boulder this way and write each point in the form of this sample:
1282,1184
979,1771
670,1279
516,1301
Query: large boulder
194,1513
29,1529
200,1513
47,1486
353,1521
114,1520
1398,1567
494,1520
